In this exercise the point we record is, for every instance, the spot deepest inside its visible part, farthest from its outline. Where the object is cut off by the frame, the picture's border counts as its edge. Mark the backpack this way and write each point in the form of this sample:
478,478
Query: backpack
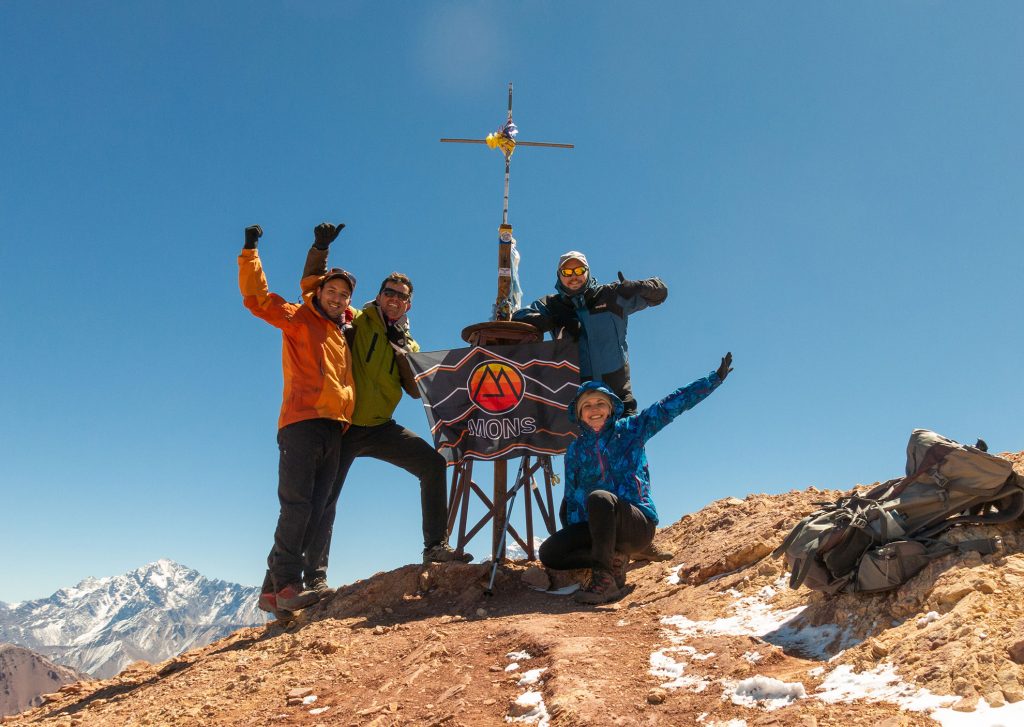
878,540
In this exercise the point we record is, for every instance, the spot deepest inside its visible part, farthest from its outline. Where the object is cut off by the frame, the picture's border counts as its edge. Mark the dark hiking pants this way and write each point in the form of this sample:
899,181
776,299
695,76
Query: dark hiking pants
307,471
392,443
612,525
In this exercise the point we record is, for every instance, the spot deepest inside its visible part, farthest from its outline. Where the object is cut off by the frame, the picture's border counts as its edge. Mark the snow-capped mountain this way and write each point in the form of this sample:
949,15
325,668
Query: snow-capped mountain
103,624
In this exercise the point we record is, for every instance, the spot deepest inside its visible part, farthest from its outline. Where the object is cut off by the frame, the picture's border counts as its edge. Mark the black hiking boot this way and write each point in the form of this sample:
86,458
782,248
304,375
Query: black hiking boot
619,563
444,553
653,553
601,589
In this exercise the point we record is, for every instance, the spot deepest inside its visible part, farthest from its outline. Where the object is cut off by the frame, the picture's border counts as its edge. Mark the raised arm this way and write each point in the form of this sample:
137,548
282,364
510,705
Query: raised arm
252,283
657,416
316,259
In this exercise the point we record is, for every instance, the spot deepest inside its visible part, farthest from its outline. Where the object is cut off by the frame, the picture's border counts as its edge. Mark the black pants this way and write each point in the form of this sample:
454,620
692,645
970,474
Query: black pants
394,444
612,525
307,471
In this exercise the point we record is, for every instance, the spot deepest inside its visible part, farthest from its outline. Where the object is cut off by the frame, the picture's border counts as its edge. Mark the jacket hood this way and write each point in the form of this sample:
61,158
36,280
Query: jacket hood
573,255
587,386
591,282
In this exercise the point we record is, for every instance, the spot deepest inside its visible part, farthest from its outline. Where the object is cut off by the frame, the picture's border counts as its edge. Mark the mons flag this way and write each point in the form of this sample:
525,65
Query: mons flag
500,401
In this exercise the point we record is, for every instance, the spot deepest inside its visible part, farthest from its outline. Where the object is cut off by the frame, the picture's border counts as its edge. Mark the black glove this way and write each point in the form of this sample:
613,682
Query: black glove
725,367
628,288
325,233
572,328
252,234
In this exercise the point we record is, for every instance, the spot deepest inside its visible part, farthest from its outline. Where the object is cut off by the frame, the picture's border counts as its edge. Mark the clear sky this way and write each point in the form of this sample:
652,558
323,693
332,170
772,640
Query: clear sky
832,191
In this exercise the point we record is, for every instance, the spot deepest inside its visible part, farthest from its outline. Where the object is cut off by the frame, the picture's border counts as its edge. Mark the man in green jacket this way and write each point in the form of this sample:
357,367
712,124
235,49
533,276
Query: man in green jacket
380,341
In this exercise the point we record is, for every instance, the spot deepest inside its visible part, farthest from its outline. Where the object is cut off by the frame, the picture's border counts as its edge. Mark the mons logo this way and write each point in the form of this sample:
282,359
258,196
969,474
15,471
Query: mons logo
496,388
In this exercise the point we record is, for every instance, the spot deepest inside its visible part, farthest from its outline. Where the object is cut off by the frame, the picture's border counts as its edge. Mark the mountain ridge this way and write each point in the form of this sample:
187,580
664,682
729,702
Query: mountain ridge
100,625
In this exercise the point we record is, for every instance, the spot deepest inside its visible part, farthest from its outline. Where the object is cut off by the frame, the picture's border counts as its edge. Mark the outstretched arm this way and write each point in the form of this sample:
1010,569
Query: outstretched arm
657,416
639,294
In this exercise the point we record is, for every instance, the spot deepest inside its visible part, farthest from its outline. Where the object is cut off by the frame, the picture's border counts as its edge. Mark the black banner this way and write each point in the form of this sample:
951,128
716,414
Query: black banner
500,401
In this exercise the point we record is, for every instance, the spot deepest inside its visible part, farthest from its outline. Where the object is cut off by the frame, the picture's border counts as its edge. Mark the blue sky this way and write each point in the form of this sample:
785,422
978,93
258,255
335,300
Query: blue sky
832,191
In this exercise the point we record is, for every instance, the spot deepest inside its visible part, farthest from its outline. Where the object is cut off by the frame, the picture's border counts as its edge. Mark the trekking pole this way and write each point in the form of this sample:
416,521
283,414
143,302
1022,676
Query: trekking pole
520,481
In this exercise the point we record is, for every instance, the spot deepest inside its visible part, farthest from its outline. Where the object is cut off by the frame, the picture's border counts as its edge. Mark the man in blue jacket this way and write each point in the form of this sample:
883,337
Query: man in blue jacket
596,316
608,504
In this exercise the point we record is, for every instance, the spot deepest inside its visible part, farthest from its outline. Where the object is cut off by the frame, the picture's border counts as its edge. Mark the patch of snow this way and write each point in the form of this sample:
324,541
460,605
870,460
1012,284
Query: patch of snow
927,619
665,667
881,684
983,716
565,590
764,692
318,710
673,574
518,655
752,656
512,667
309,699
531,677
622,622
533,709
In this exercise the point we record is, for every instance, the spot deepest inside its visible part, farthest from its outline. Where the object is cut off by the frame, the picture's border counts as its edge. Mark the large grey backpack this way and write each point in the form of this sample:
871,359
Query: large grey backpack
876,541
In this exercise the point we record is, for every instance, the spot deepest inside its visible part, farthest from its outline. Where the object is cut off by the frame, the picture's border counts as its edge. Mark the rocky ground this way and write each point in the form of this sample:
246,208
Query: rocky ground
425,646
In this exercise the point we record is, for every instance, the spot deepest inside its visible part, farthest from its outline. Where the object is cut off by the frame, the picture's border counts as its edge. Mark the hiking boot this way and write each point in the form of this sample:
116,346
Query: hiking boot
293,598
444,553
601,589
619,563
267,602
319,585
653,553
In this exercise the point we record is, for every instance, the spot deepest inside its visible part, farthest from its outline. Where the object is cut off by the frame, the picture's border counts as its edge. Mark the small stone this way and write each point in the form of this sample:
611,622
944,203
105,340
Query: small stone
1017,652
995,699
378,630
536,577
1013,694
424,581
878,649
496,668
481,612
388,609
299,693
657,696
966,704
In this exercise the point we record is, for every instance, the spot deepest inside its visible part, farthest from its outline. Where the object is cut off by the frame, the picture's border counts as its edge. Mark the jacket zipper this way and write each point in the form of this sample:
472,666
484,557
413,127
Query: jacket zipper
373,344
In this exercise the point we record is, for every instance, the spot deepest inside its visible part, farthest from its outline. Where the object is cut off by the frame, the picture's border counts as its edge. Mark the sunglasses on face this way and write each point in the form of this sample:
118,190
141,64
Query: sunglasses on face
568,272
389,293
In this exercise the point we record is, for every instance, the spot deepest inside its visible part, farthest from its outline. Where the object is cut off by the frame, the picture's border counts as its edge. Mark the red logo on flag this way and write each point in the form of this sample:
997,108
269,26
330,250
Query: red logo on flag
495,387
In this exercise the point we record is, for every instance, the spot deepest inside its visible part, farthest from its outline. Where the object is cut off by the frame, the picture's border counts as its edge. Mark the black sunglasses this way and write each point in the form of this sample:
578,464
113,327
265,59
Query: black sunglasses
389,293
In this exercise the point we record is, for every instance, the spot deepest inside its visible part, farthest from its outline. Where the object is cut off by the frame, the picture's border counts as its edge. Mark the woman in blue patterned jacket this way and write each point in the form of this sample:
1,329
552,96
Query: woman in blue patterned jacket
609,512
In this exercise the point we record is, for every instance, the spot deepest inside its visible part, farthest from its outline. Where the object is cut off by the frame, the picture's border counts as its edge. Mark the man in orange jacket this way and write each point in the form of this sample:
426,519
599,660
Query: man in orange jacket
319,397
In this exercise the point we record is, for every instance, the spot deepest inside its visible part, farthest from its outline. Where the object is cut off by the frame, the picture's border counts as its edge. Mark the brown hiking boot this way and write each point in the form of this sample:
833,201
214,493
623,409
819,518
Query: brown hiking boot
319,585
602,588
444,553
653,553
619,563
293,598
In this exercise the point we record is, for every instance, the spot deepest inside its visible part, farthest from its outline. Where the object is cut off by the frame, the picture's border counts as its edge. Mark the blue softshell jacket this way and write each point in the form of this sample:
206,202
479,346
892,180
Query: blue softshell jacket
614,458
602,312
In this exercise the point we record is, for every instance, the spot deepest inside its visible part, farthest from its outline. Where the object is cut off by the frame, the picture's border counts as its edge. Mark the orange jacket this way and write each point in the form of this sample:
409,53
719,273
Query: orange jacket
316,359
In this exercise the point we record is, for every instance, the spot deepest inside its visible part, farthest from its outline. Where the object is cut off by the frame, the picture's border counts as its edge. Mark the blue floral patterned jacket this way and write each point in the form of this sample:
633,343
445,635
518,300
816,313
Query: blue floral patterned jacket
614,458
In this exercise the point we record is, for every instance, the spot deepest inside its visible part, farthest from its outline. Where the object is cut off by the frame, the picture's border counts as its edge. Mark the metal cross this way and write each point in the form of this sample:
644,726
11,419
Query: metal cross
505,140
